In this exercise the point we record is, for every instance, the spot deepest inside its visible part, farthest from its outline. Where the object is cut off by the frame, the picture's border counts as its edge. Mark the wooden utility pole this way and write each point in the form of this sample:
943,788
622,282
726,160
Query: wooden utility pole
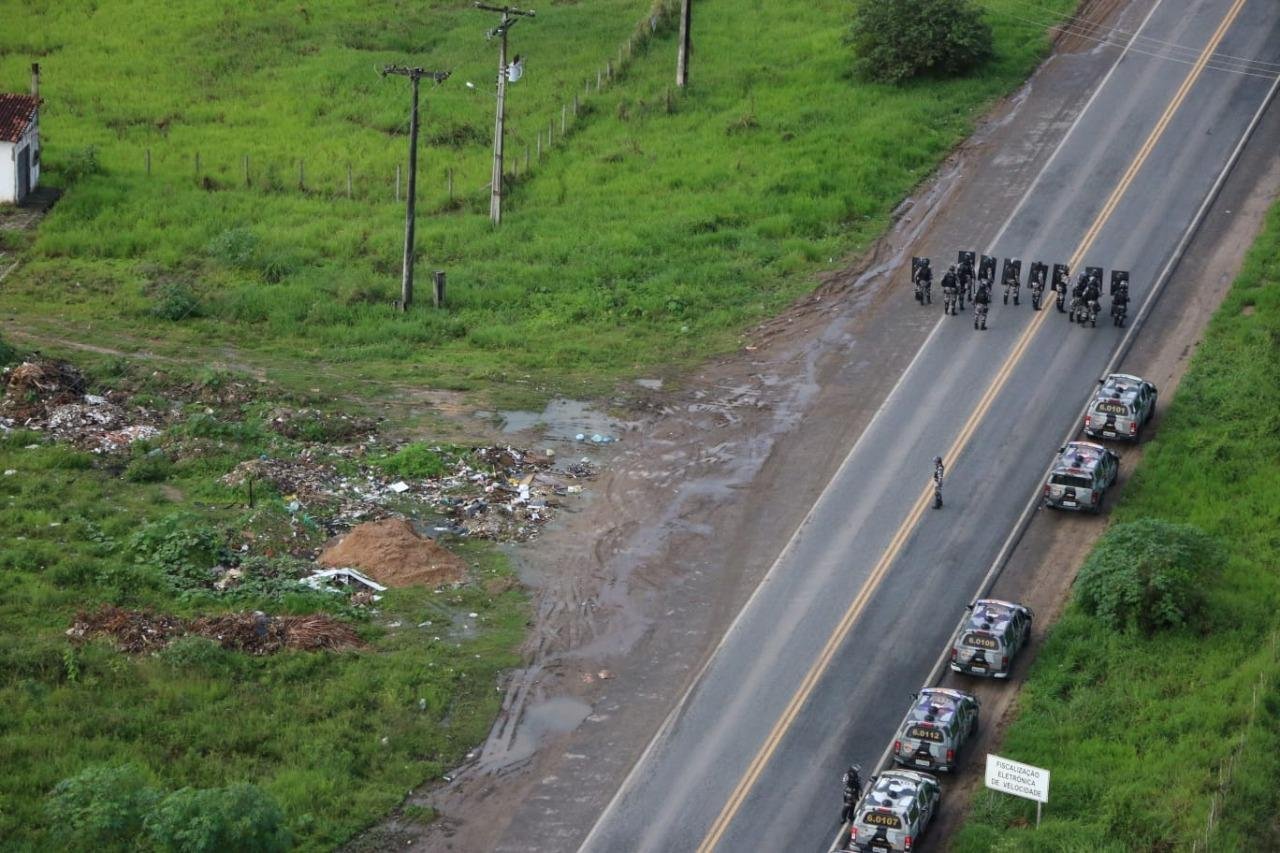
414,75
682,58
510,15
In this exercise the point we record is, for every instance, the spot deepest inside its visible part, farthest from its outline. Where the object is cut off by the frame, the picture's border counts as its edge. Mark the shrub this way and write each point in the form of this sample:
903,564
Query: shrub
101,808
895,40
8,354
80,163
235,247
176,301
179,544
414,460
219,820
1147,575
153,467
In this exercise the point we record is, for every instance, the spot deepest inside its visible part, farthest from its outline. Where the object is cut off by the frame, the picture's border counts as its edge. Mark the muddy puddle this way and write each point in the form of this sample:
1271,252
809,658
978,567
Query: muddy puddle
566,420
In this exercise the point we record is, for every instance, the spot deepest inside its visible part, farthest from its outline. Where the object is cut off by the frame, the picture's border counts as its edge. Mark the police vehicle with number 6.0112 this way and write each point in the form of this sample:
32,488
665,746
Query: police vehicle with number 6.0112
1121,407
940,720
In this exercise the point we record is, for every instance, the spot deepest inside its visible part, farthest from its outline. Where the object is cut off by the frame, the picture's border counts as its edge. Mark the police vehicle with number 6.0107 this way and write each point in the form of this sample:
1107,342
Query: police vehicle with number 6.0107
1121,407
1080,476
894,812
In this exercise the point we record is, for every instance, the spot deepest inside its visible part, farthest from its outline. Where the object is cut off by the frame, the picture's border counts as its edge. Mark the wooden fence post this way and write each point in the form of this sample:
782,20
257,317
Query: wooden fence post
437,290
539,146
564,118
599,78
526,157
448,180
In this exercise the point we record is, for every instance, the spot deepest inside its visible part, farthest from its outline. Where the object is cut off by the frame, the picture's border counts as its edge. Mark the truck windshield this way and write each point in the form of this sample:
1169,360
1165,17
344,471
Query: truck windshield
1071,480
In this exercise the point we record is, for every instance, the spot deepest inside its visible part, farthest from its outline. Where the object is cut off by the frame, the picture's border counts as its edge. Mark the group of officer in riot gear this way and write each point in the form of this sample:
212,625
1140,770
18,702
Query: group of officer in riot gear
963,281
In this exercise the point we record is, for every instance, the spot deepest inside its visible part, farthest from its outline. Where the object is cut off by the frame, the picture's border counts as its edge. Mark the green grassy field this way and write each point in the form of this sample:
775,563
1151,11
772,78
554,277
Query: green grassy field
648,237
1141,733
336,738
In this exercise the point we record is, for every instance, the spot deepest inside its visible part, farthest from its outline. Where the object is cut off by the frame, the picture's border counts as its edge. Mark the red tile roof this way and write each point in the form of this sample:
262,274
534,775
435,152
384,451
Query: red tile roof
16,115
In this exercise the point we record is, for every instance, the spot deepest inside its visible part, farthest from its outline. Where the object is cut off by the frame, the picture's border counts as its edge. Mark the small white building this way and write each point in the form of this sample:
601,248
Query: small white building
19,143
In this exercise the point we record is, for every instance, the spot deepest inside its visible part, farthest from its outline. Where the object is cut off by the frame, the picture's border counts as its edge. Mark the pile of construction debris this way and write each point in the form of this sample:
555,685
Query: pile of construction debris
139,631
49,396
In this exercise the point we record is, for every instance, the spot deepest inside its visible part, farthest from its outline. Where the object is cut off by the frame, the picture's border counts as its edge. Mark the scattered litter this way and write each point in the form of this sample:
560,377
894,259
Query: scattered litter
399,487
338,579
9,472
604,674
254,633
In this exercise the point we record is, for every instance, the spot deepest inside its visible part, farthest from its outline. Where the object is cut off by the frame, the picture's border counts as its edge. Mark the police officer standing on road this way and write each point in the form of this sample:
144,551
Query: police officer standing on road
1120,302
852,791
966,281
938,472
981,300
949,286
924,281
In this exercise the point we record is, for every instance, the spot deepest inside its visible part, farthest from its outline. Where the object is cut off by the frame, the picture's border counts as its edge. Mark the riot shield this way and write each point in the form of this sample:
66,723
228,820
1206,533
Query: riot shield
1039,272
1090,272
916,263
1118,276
987,268
1061,272
1012,271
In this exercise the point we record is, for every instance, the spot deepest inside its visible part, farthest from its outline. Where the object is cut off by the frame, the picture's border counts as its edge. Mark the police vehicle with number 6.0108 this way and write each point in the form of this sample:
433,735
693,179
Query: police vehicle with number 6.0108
1080,476
991,637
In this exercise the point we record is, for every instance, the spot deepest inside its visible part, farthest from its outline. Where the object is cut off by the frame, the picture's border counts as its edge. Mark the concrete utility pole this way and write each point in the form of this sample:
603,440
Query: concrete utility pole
510,15
682,57
414,74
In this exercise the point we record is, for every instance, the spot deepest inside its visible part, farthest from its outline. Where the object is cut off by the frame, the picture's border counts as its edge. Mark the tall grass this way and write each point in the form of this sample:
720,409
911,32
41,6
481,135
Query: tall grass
650,235
1145,737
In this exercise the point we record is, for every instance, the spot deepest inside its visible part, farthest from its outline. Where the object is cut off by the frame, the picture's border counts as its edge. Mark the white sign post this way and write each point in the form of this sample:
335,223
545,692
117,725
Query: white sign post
1021,780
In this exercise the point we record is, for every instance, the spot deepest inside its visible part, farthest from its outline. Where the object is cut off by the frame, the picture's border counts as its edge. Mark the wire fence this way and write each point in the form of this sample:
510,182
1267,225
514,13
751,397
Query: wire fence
530,143
1227,769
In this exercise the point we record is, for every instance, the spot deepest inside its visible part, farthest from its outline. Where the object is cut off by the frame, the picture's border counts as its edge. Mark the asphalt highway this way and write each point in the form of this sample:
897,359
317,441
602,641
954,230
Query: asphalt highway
816,671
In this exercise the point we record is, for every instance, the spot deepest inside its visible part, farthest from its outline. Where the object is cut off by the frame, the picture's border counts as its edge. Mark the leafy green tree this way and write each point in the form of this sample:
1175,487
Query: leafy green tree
895,40
100,809
1147,575
237,819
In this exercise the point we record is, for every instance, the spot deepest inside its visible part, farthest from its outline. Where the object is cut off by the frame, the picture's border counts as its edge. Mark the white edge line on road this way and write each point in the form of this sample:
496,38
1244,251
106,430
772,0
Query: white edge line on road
674,714
1126,343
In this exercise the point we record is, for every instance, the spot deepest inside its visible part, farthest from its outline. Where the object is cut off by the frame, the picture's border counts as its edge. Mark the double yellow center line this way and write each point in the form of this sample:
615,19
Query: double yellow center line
859,603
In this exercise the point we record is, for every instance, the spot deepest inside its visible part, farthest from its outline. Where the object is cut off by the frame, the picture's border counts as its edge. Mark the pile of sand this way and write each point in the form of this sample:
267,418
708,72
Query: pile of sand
394,554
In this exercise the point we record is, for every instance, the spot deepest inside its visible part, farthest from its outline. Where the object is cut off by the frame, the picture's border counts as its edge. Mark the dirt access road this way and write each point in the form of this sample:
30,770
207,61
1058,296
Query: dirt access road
707,484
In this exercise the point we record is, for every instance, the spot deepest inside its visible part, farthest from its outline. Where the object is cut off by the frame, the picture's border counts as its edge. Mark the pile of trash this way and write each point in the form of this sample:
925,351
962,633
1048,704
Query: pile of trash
498,492
140,631
49,396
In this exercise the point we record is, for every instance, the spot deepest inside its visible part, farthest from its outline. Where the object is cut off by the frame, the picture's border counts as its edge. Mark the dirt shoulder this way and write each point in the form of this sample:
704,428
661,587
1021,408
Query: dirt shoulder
1044,564
712,475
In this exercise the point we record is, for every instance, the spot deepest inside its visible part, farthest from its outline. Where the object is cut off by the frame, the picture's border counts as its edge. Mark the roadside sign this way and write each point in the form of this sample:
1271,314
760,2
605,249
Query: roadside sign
1021,780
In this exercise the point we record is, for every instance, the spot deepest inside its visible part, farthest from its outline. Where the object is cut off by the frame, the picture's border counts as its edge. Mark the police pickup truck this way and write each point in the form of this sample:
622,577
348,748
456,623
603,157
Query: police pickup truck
1120,408
895,812
940,720
991,637
1080,476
